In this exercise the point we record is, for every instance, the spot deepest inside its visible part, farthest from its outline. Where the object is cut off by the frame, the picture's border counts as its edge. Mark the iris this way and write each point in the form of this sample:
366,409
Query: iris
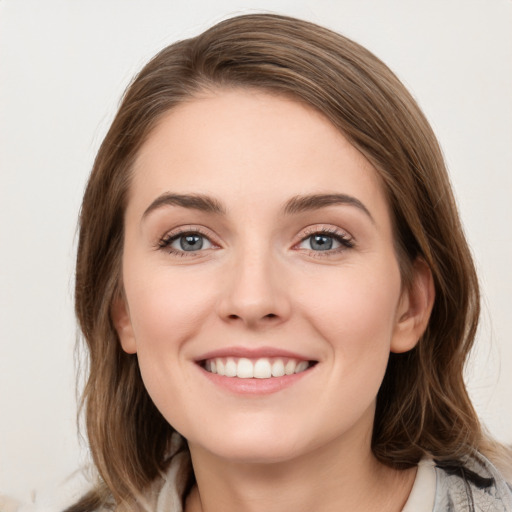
191,242
321,242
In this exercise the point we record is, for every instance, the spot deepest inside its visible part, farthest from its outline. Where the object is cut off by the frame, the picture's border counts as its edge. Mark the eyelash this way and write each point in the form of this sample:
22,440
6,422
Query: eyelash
165,242
345,241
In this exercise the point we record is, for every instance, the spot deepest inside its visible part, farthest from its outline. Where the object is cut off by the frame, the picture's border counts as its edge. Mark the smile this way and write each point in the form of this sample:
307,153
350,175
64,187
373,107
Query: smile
260,368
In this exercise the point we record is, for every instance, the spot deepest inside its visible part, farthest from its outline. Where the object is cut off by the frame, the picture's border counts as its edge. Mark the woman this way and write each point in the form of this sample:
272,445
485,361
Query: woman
271,264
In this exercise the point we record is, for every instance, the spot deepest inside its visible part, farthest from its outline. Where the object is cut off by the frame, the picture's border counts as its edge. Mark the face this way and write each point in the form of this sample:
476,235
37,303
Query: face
262,291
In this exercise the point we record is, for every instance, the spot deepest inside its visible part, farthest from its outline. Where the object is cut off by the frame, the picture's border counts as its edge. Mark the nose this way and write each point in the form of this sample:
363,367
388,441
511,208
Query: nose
254,293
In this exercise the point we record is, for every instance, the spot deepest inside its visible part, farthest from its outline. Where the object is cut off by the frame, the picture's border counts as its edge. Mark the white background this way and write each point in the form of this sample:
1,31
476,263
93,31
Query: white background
63,67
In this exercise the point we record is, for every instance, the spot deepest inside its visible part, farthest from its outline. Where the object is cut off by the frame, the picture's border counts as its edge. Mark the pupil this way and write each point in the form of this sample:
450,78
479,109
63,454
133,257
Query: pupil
321,242
191,242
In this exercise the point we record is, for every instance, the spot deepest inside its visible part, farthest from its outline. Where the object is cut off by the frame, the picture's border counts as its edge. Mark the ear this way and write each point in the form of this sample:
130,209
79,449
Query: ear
123,325
414,308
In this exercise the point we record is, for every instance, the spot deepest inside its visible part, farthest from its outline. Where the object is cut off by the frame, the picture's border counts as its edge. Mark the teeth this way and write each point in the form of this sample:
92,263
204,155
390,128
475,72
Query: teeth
230,367
301,366
244,369
263,368
289,369
278,368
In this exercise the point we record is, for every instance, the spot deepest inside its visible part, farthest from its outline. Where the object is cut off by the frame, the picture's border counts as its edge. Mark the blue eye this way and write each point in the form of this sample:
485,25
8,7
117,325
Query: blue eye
325,242
321,242
189,242
186,242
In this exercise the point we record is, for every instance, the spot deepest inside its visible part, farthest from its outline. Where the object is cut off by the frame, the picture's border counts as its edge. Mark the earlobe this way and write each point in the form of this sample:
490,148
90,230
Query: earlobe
414,310
123,325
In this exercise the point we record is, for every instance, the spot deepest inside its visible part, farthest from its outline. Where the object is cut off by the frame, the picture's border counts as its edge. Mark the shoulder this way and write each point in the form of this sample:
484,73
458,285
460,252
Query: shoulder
472,485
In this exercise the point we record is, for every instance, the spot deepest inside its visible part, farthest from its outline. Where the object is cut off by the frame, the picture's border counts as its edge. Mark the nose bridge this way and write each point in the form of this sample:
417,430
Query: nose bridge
255,291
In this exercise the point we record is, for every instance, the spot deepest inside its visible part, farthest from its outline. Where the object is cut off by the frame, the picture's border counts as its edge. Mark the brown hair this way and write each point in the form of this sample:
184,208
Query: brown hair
423,405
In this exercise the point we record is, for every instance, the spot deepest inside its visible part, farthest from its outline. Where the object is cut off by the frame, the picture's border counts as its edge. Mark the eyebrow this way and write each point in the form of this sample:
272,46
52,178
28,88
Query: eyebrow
296,204
300,204
194,201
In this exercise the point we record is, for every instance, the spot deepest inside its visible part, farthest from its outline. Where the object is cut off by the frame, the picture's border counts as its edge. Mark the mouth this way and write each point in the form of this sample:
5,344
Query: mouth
257,368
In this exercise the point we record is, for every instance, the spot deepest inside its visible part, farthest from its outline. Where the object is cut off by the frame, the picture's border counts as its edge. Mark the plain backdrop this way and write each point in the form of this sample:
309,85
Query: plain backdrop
63,68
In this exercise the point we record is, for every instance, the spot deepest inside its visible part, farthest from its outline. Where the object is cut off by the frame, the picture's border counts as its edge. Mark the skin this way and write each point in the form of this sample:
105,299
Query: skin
258,282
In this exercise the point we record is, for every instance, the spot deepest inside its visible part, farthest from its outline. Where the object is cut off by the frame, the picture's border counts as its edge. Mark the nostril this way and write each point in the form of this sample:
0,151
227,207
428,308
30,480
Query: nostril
269,316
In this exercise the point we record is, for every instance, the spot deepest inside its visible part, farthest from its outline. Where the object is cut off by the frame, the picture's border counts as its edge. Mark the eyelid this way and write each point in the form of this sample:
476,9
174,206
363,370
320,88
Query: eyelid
343,236
164,242
324,228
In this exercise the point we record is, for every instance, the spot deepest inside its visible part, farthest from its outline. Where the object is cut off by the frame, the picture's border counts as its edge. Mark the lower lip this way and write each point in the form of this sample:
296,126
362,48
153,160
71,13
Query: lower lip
255,386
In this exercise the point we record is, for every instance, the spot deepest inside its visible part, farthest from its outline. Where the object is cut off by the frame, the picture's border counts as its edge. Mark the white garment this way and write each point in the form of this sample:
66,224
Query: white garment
423,492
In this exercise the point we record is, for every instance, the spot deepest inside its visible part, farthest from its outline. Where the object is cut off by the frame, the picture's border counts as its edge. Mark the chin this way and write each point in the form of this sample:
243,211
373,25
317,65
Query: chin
257,453
255,444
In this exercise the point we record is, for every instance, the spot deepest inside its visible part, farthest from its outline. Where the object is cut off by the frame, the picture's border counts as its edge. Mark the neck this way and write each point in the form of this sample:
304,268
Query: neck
340,476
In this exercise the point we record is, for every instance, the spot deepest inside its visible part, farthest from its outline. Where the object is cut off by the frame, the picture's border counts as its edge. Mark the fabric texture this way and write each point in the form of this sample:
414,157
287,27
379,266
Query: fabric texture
475,486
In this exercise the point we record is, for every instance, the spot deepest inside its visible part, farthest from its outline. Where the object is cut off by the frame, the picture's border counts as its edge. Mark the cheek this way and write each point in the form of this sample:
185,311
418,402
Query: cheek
355,311
167,313
355,315
166,308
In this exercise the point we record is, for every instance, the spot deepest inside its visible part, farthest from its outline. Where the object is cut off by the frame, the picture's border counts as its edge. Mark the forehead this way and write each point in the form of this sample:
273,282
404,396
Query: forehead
250,146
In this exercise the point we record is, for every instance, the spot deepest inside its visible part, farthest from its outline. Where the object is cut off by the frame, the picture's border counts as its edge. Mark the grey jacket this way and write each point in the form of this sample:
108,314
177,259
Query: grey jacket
475,486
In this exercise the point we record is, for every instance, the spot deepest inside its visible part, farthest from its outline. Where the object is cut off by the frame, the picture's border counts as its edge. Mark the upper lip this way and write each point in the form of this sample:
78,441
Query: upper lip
253,353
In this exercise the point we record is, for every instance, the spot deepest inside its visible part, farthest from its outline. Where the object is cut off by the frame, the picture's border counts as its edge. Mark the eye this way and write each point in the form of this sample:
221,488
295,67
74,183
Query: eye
321,242
183,242
326,241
